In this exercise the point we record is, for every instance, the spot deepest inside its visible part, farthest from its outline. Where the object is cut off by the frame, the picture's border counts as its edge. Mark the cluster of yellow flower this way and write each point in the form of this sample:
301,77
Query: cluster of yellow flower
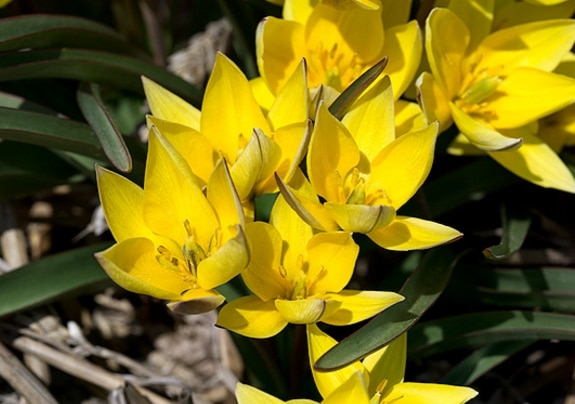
498,70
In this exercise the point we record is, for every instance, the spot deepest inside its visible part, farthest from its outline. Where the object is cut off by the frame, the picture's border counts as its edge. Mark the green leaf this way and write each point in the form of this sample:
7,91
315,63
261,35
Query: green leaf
474,181
50,31
93,66
48,131
25,169
471,330
104,127
54,277
516,222
355,89
421,290
482,361
543,288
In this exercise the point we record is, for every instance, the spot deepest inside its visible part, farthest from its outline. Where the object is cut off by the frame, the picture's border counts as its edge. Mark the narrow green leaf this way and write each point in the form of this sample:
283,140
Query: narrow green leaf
421,290
471,330
49,31
103,126
516,222
482,361
355,89
25,169
536,288
48,131
93,66
474,181
51,278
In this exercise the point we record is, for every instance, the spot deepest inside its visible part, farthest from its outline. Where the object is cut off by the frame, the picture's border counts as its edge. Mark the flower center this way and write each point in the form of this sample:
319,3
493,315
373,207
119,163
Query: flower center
187,263
302,284
352,190
332,67
477,87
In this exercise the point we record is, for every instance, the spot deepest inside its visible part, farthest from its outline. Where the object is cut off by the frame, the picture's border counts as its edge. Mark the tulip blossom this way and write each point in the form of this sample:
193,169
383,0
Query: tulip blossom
231,125
339,44
173,242
383,372
365,174
495,85
353,390
298,277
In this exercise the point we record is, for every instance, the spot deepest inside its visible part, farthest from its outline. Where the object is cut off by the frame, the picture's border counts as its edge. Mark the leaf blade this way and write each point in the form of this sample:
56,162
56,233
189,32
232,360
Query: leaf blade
104,127
419,294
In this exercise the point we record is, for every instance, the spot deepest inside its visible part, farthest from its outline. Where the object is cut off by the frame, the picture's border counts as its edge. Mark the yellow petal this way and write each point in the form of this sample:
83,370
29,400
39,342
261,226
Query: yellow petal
227,262
546,2
132,264
359,305
370,119
295,233
262,93
250,317
352,390
122,201
387,363
477,15
298,10
168,106
433,101
249,395
529,94
403,45
332,154
360,218
227,119
462,146
171,197
409,233
257,161
396,12
194,147
291,103
408,117
224,199
345,30
425,393
318,344
331,261
305,311
540,45
516,13
537,163
402,167
293,141
308,209
262,275
446,41
197,301
480,134
279,49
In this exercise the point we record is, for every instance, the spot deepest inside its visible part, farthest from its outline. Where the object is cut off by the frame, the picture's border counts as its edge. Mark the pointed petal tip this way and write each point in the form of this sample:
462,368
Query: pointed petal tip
197,305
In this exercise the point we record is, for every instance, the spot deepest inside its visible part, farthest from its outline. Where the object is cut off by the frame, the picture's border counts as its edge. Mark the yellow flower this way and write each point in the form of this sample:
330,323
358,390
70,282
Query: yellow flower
173,242
352,390
365,174
231,125
298,277
493,85
338,44
383,371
